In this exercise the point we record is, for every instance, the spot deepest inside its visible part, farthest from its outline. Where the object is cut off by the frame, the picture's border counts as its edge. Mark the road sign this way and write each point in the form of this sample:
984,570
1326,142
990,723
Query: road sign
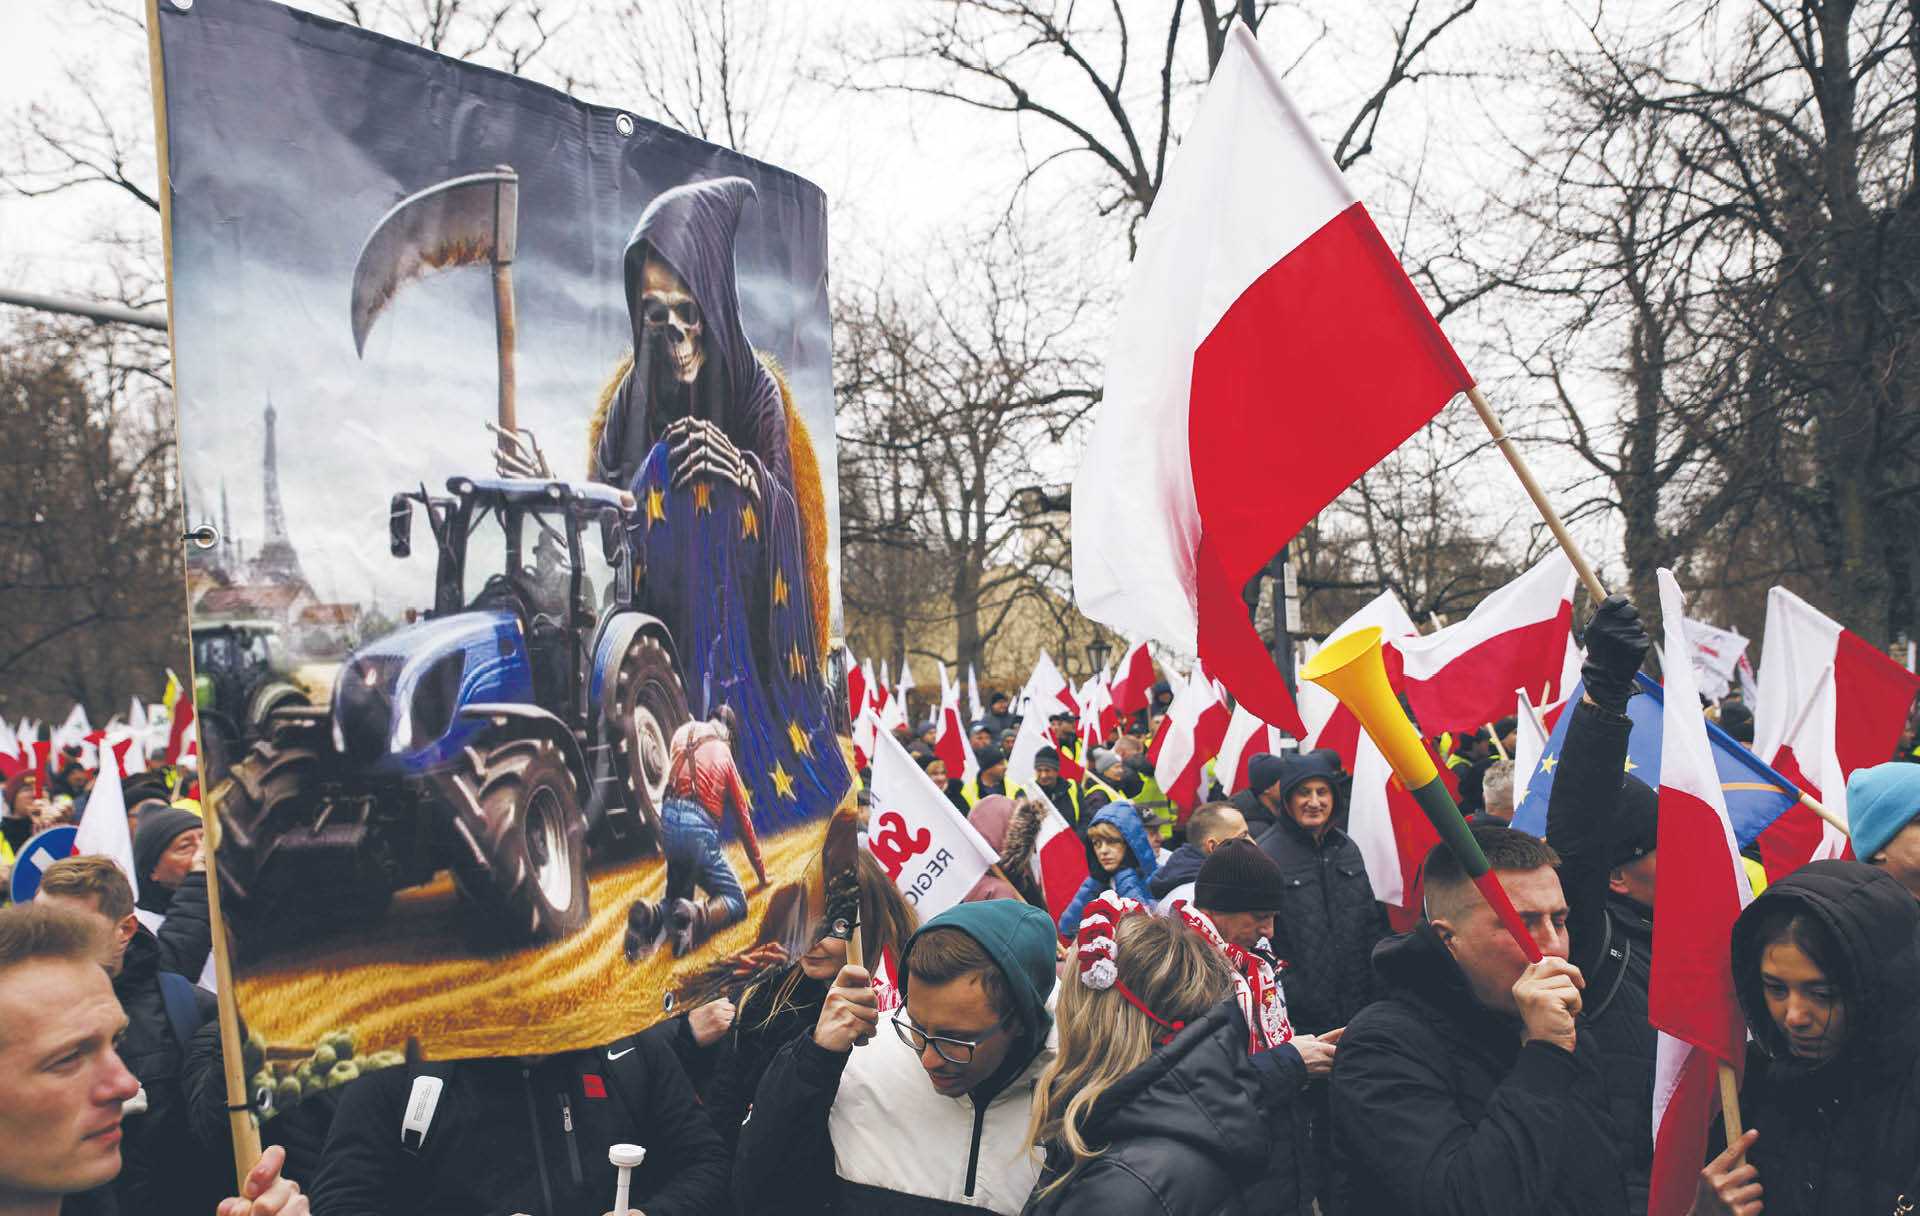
36,855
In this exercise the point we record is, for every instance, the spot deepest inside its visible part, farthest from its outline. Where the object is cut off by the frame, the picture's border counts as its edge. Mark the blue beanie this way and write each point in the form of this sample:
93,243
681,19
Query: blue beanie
1880,801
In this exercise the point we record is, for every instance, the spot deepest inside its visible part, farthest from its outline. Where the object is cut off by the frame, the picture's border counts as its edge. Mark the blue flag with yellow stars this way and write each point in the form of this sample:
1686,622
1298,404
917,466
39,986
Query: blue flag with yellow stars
726,572
1756,794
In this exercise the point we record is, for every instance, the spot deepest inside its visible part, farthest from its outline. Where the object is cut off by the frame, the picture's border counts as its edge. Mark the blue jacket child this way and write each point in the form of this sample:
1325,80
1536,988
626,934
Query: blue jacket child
1128,866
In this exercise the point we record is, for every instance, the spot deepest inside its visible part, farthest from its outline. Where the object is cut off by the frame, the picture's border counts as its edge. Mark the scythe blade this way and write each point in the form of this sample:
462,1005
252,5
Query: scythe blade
463,221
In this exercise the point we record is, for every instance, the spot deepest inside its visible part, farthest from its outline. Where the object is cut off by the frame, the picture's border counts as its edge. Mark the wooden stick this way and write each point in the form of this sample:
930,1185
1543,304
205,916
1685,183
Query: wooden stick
1499,749
1730,1102
240,1120
1814,805
1539,497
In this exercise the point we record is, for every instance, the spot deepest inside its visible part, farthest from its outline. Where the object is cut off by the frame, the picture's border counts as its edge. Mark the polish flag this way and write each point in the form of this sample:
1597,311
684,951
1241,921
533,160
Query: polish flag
74,730
1690,997
103,825
856,691
1462,676
1828,703
10,761
1247,736
952,744
1331,724
975,709
1047,691
1098,720
1059,862
1194,728
1133,687
1265,313
866,729
180,734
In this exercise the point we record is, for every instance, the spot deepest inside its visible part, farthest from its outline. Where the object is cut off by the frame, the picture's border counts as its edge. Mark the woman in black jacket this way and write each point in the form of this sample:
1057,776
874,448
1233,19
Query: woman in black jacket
1827,967
1152,1104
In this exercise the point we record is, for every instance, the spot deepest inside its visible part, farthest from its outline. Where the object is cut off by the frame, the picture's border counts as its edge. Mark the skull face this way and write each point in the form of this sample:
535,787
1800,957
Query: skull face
672,317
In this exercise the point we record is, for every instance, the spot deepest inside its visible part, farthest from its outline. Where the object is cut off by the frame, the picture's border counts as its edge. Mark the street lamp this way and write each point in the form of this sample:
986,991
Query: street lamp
1097,652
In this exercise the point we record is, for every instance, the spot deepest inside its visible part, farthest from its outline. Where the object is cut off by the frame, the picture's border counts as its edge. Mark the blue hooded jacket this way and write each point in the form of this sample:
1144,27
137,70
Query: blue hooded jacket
1130,881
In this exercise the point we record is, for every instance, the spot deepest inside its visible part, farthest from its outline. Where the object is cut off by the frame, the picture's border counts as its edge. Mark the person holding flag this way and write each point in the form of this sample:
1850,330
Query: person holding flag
1826,965
1602,821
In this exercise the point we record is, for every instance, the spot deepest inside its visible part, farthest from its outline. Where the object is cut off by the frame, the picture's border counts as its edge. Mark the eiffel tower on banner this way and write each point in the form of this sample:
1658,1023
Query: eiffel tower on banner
277,562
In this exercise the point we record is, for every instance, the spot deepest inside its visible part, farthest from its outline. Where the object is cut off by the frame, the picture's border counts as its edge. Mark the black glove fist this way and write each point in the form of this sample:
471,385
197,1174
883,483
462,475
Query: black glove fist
1617,644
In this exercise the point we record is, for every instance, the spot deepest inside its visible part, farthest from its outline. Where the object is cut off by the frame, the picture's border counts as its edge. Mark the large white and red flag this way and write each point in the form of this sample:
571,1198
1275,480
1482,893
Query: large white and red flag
1462,677
926,846
103,825
1703,887
1190,735
1265,314
1829,702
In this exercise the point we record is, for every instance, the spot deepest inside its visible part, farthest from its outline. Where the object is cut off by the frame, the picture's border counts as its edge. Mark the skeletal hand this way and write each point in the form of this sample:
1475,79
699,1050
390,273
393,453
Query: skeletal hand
698,448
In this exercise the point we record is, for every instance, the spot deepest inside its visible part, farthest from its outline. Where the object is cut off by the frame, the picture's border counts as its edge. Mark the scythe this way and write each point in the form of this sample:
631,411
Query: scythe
464,221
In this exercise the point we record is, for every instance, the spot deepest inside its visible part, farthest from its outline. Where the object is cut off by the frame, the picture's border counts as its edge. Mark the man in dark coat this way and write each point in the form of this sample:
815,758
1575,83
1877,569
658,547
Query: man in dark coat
999,718
1602,823
1329,922
1211,824
165,1170
1262,802
170,858
1473,1086
524,1135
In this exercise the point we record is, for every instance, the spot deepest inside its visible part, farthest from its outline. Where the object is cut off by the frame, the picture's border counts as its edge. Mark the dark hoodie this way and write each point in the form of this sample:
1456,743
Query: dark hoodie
788,1160
1440,1110
691,228
1182,866
1184,1132
1839,1137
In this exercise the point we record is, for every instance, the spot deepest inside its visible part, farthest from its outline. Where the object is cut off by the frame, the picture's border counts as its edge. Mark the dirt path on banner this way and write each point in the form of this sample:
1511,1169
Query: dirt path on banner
412,973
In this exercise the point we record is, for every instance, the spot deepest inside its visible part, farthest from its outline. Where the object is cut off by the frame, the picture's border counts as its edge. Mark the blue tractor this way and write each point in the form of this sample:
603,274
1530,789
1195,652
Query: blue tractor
521,725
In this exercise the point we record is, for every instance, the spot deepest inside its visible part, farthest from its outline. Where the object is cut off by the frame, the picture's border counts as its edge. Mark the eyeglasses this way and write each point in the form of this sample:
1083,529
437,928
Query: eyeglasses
953,1051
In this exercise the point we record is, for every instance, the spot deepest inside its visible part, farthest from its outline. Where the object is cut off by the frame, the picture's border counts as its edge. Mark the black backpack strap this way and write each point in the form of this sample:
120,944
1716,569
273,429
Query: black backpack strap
183,1010
1609,952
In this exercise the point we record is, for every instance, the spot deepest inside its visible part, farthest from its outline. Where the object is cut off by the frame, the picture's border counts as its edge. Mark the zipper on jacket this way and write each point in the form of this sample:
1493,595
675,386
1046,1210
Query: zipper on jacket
573,1149
973,1150
539,1143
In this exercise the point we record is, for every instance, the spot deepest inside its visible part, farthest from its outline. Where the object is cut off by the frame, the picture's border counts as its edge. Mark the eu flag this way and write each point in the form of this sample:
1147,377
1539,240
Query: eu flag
1756,794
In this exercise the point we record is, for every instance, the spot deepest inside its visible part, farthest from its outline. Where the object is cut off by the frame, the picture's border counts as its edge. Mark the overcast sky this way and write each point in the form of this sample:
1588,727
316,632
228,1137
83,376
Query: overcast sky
904,175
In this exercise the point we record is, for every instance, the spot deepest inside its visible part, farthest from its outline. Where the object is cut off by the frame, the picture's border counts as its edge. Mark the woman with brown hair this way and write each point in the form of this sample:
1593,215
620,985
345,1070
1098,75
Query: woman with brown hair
1152,1104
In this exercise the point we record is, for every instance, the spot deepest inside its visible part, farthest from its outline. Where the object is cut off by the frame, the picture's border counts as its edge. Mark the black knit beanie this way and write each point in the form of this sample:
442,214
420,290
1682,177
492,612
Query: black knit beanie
1237,876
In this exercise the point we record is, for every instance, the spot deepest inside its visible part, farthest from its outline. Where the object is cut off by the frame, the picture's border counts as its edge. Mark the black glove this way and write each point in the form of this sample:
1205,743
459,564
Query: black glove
1617,644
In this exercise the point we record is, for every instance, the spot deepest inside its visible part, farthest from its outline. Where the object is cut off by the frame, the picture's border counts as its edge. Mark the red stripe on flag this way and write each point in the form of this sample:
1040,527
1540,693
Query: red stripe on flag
1680,1136
1690,995
1332,354
1873,697
1477,686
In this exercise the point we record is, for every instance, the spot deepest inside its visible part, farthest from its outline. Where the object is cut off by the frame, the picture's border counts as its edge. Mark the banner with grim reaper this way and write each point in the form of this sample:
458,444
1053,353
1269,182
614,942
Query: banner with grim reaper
513,420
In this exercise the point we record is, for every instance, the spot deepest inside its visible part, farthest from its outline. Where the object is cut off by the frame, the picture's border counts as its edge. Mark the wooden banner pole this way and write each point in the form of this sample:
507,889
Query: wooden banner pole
1519,465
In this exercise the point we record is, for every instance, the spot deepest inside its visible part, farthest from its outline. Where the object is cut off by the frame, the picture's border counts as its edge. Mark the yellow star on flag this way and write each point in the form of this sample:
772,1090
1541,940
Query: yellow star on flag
801,744
656,506
795,662
1547,763
749,523
782,783
703,496
779,588
1630,764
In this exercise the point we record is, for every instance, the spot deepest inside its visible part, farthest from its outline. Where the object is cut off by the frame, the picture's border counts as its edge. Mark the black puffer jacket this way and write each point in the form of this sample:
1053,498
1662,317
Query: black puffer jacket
1440,1110
1186,1134
1181,866
186,935
1839,1138
1327,927
759,1030
165,1169
1612,937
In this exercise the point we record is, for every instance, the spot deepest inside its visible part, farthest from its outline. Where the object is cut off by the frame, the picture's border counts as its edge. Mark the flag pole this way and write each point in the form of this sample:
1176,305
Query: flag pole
1519,465
1729,1083
1817,807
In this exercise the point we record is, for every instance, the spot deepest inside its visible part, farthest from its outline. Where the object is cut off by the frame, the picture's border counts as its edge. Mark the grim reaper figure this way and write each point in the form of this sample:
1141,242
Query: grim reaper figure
731,531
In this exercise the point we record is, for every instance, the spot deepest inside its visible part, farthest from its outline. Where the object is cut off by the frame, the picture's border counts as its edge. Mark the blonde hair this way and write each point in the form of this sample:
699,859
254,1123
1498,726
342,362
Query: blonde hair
1174,972
1107,832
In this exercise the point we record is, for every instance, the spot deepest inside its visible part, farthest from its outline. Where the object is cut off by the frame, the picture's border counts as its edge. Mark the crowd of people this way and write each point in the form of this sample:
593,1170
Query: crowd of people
1220,1020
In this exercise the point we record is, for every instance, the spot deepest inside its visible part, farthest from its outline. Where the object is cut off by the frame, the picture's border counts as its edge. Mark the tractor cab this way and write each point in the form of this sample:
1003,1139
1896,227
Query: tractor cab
552,553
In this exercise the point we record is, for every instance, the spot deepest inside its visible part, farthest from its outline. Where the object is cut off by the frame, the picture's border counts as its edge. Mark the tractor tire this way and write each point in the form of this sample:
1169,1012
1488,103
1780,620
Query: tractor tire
532,835
648,706
266,795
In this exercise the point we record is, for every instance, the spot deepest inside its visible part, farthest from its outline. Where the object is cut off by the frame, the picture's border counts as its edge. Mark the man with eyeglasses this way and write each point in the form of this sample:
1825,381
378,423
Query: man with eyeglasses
918,1109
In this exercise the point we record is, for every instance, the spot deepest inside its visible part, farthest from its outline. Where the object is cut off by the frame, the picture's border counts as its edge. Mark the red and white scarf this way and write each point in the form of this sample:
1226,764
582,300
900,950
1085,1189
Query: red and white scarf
1254,986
